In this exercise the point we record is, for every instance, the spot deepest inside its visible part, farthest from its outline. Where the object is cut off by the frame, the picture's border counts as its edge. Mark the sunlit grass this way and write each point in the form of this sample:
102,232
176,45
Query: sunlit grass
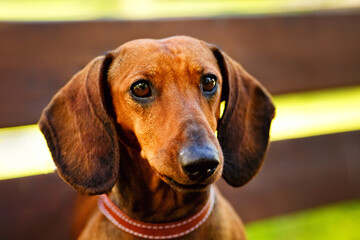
66,10
335,222
23,150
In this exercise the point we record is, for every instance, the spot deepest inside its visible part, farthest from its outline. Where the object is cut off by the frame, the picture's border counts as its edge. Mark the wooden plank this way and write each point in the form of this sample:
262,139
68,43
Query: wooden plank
38,207
299,174
287,53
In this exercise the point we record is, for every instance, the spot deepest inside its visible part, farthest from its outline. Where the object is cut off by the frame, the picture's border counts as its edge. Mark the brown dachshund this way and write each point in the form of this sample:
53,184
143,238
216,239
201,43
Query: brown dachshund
140,125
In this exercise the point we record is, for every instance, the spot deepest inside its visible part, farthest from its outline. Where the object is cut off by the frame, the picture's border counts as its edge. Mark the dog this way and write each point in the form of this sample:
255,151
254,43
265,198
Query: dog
142,128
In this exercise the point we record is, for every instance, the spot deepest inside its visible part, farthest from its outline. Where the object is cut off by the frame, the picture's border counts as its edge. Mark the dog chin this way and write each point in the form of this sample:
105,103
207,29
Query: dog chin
185,187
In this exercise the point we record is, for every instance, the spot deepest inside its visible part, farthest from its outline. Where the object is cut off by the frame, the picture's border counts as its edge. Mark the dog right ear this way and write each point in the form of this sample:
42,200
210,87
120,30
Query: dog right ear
243,131
80,131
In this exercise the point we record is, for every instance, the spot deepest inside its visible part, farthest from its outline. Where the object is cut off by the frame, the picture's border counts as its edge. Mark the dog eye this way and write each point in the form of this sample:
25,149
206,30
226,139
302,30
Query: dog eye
208,83
141,89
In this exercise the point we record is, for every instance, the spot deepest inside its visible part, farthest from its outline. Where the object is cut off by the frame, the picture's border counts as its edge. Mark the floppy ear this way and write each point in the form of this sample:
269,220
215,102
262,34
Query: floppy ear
243,131
80,132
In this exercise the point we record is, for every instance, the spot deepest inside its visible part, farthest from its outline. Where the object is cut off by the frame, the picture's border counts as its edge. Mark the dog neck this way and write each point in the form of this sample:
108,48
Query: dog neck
142,195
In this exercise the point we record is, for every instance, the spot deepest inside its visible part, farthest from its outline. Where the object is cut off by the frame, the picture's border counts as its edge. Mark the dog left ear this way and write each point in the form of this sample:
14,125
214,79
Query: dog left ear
80,131
243,131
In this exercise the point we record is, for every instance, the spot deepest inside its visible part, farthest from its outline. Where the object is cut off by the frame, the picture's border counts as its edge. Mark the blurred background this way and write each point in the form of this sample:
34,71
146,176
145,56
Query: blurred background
306,53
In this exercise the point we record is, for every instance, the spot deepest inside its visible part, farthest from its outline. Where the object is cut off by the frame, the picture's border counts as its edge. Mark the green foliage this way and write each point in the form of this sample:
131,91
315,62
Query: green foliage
70,10
335,222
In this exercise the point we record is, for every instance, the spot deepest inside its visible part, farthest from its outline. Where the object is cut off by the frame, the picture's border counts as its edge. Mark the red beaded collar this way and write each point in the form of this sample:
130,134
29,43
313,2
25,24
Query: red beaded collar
154,230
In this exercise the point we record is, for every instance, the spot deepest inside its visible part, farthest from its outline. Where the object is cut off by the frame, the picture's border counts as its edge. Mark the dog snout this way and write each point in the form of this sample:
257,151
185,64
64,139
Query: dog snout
199,162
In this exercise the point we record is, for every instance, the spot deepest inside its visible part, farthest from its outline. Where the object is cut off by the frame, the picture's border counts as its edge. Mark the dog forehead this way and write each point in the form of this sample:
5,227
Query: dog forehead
151,51
148,58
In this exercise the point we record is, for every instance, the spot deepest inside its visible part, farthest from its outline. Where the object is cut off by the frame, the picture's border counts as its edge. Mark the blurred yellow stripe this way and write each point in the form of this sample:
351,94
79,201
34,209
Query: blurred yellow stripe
23,150
316,113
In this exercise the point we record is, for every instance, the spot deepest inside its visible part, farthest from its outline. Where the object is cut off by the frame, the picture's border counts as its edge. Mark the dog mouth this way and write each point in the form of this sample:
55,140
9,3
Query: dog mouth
193,187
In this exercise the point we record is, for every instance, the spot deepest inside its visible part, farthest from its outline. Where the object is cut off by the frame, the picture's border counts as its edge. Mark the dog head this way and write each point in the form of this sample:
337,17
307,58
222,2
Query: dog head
162,98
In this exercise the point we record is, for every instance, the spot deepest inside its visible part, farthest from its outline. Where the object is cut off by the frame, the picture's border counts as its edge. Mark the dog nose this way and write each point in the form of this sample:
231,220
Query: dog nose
199,163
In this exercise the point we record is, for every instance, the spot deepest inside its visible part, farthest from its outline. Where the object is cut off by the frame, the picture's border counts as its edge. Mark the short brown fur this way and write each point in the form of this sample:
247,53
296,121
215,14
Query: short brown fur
105,140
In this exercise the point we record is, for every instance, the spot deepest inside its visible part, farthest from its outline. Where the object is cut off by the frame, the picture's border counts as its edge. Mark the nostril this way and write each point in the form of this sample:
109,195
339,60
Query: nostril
201,165
199,162
201,169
